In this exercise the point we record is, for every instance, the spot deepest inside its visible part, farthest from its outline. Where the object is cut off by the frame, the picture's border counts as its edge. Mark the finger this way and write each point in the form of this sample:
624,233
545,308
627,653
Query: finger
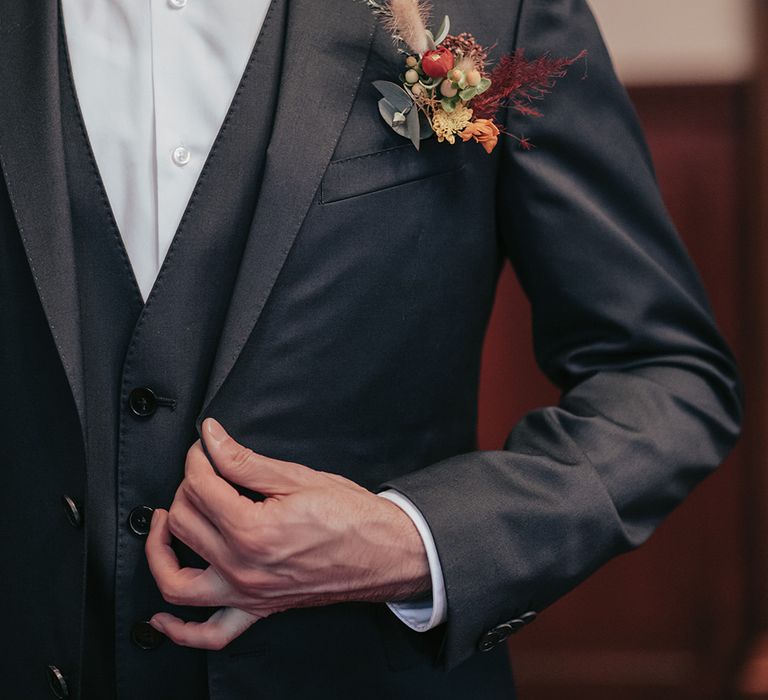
218,501
181,586
196,460
195,530
256,472
215,633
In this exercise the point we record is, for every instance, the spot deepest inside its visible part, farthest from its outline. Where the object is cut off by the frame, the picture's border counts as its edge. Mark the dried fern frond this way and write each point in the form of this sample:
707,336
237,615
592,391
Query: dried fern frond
517,83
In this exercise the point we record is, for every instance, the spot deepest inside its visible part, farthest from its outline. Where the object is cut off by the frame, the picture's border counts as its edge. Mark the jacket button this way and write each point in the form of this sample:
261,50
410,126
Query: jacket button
142,402
528,617
515,625
139,520
73,511
57,682
144,636
494,637
501,632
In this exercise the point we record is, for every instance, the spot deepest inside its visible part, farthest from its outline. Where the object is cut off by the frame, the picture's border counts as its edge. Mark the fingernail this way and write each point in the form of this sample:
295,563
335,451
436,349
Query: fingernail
157,625
215,431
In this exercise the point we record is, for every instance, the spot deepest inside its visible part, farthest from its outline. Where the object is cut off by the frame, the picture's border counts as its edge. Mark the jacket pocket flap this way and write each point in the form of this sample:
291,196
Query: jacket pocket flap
396,166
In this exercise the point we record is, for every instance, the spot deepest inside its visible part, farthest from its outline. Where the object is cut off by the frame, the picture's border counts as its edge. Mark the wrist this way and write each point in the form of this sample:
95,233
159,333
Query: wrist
408,561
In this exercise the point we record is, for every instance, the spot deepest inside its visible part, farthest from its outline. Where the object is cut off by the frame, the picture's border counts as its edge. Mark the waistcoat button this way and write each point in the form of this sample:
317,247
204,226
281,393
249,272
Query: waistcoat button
143,402
57,682
73,511
139,520
144,636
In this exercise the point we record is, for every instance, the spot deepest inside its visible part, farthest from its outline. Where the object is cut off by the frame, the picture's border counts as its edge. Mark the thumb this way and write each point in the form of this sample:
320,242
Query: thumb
242,466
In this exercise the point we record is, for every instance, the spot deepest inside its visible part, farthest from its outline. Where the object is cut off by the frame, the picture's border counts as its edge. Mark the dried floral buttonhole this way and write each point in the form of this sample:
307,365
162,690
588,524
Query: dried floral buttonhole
447,89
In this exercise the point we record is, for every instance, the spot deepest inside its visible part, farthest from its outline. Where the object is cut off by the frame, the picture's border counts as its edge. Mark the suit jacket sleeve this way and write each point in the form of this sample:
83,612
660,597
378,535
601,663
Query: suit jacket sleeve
651,400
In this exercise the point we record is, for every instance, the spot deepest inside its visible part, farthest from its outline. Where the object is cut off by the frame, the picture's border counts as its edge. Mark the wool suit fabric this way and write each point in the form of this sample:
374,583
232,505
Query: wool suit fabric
326,299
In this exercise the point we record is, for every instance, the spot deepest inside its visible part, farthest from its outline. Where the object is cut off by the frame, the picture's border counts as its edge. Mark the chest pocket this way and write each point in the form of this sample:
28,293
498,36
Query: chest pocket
392,167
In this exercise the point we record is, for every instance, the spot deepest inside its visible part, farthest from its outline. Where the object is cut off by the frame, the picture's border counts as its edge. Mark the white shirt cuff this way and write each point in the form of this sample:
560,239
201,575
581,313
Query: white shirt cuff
425,614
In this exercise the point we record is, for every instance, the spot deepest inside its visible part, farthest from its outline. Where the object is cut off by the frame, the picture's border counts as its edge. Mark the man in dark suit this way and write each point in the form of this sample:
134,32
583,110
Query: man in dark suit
324,299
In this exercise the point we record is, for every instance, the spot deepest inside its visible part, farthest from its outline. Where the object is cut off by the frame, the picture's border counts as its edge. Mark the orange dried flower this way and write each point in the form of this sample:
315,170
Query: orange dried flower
484,131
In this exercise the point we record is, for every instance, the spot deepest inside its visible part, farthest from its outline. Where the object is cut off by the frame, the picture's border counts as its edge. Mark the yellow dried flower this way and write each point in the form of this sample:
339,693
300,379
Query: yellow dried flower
447,124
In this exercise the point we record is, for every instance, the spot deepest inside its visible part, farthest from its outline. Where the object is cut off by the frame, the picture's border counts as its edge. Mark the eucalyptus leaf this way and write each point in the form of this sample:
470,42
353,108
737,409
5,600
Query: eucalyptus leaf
449,104
468,94
401,130
394,94
387,111
426,128
485,83
414,129
430,40
445,27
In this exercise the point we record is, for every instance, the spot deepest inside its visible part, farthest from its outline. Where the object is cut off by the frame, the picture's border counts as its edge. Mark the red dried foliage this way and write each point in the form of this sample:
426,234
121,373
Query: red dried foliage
517,83
525,144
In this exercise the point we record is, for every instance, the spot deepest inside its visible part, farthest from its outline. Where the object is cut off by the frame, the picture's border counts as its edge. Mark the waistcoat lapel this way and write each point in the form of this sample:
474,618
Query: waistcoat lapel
171,352
167,346
32,160
326,48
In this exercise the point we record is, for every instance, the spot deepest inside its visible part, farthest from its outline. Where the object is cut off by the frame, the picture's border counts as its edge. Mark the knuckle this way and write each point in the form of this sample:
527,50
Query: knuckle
240,580
170,592
216,641
247,541
253,544
175,521
263,550
227,573
240,544
240,459
256,551
248,583
193,484
182,638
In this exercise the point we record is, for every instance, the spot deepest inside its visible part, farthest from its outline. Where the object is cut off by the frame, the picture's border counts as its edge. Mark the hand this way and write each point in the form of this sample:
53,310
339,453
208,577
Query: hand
316,539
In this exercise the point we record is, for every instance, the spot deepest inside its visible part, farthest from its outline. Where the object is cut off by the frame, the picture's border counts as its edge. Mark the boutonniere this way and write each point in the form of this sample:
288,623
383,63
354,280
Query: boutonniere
447,87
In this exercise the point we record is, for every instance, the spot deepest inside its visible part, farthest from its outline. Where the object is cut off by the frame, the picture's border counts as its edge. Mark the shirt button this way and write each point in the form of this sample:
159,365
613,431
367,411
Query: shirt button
139,520
181,155
177,4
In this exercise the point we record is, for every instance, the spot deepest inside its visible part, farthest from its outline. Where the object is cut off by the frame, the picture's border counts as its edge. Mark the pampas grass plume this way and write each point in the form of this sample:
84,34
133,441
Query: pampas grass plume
408,20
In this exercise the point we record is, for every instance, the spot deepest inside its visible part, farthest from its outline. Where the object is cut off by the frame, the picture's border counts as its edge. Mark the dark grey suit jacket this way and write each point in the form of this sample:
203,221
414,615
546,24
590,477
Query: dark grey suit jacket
353,338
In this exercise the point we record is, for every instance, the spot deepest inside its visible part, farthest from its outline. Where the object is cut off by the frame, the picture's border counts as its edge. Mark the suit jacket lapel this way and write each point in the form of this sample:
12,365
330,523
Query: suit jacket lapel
326,49
32,160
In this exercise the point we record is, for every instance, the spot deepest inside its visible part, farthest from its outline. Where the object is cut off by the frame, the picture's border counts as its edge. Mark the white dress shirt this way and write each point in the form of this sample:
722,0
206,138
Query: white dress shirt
154,80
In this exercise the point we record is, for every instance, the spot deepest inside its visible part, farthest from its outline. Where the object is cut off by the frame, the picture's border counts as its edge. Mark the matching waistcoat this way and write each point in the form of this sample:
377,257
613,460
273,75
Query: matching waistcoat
146,369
